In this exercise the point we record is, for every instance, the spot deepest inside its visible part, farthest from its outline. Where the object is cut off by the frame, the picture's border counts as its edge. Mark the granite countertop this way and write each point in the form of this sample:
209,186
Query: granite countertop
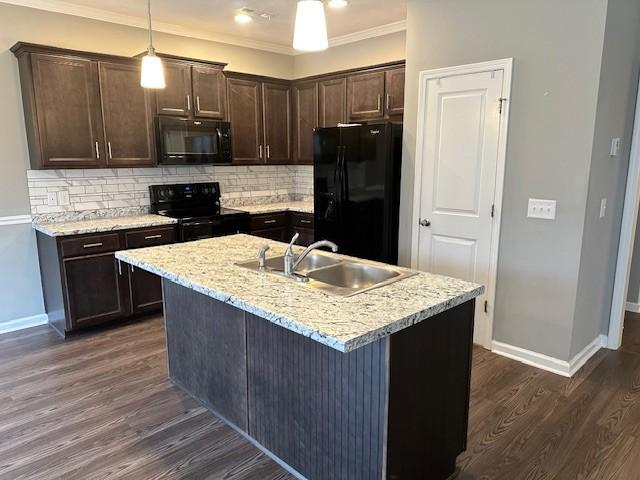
293,206
344,323
98,225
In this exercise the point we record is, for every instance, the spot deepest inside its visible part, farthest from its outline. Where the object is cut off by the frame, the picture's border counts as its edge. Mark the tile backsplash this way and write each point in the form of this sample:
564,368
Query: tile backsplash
57,195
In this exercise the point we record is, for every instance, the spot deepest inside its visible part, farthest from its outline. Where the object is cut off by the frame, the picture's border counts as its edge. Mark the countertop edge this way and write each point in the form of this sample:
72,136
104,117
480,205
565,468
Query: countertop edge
45,227
294,326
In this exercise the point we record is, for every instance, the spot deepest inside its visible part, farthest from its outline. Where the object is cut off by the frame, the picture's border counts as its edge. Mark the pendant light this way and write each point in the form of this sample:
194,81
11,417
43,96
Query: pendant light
152,75
310,32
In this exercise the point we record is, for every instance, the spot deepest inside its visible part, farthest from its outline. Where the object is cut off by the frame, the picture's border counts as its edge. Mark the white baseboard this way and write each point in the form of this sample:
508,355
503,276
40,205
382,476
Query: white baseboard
550,364
25,322
632,307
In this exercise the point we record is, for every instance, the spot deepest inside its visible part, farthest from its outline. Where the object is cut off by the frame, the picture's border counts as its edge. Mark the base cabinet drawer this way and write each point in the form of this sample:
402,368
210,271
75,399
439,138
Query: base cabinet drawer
269,220
90,244
150,237
95,287
277,234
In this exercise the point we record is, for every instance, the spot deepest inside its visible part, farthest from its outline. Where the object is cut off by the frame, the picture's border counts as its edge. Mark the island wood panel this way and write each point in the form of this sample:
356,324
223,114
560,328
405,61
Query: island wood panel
430,374
206,350
317,409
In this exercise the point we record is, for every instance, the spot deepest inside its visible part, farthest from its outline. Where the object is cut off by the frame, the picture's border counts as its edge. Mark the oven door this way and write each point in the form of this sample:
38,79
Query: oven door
181,141
217,227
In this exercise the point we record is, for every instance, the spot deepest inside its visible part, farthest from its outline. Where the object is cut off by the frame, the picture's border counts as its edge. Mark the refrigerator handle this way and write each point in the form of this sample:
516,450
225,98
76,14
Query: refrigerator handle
343,174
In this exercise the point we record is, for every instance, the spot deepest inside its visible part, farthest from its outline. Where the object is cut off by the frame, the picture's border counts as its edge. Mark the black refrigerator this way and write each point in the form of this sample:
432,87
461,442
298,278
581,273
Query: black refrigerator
357,189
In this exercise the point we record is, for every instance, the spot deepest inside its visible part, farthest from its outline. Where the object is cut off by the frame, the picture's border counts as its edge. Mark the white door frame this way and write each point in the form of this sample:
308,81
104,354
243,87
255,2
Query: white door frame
507,66
627,238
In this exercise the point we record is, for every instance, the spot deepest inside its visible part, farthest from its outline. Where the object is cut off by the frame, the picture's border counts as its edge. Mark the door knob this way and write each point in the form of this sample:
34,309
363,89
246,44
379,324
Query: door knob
425,223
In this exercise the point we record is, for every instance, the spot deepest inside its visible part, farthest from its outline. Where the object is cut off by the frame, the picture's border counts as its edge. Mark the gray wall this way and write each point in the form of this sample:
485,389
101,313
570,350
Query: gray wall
608,175
557,49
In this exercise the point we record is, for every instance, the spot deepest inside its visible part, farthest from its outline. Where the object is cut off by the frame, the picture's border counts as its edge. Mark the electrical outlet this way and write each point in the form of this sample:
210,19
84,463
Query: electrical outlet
63,197
603,207
615,147
52,199
544,209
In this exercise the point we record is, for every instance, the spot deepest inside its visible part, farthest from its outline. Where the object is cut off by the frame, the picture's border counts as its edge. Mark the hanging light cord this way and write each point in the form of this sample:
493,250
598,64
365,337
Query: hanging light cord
151,49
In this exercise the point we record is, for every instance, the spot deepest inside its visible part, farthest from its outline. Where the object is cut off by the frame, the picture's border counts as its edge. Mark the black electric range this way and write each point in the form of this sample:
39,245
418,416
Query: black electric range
197,208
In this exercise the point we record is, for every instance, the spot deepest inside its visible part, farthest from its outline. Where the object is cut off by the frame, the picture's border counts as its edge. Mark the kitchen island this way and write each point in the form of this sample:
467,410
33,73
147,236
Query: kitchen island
374,385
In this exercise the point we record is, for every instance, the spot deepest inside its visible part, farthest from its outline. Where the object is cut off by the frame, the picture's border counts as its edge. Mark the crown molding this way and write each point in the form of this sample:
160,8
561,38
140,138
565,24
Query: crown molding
60,6
378,31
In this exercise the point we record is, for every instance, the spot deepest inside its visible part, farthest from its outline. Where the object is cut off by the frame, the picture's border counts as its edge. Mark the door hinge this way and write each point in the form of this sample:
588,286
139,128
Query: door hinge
486,306
500,103
493,211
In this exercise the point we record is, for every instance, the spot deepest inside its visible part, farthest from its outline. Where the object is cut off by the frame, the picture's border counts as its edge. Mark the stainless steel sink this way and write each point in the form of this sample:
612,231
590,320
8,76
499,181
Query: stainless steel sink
353,275
333,275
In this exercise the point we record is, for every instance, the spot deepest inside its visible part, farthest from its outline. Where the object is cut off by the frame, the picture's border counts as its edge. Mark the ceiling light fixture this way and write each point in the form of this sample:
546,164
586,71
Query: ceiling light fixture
152,73
310,34
243,18
338,3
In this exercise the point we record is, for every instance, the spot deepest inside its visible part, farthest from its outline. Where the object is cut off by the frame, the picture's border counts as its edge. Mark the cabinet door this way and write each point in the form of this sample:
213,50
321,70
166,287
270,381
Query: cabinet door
209,92
67,102
276,111
127,117
333,102
145,289
305,119
95,286
394,87
365,93
175,99
245,115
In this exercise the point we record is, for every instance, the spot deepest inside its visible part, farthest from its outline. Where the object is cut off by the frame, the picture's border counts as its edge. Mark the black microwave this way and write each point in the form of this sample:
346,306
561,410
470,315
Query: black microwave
182,141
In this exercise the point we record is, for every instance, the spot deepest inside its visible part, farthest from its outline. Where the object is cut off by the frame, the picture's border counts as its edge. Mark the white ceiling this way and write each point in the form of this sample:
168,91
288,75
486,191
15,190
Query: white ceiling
213,19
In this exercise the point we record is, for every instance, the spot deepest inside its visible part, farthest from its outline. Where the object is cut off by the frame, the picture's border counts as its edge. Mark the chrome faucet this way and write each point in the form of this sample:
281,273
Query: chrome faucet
262,256
291,262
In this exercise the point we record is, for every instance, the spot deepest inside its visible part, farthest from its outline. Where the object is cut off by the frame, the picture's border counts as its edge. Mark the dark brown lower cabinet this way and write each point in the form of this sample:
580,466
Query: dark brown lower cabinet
145,290
84,285
281,226
94,289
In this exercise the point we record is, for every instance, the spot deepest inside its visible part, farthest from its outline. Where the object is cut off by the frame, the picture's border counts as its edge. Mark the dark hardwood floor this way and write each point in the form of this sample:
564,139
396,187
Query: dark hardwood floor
100,407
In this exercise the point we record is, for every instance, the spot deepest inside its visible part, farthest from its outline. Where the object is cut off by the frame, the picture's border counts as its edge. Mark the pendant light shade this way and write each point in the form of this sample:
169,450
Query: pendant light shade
310,32
152,75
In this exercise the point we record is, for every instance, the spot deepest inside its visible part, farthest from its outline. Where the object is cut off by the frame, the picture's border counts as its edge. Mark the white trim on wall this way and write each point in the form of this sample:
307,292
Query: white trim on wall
627,237
551,364
15,220
506,65
59,6
25,322
632,307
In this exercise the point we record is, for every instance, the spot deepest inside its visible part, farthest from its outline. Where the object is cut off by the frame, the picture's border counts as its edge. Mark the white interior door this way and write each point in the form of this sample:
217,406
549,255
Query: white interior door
458,181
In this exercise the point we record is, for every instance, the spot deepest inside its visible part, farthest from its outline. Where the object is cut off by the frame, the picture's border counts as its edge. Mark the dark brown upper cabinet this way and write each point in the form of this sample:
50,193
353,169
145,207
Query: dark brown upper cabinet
260,116
245,115
62,110
175,99
192,90
333,102
365,96
209,92
276,112
394,87
127,115
305,115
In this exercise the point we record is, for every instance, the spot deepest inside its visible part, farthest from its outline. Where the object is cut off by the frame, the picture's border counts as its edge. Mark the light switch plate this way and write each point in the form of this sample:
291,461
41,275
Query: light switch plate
615,147
63,197
603,207
544,209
